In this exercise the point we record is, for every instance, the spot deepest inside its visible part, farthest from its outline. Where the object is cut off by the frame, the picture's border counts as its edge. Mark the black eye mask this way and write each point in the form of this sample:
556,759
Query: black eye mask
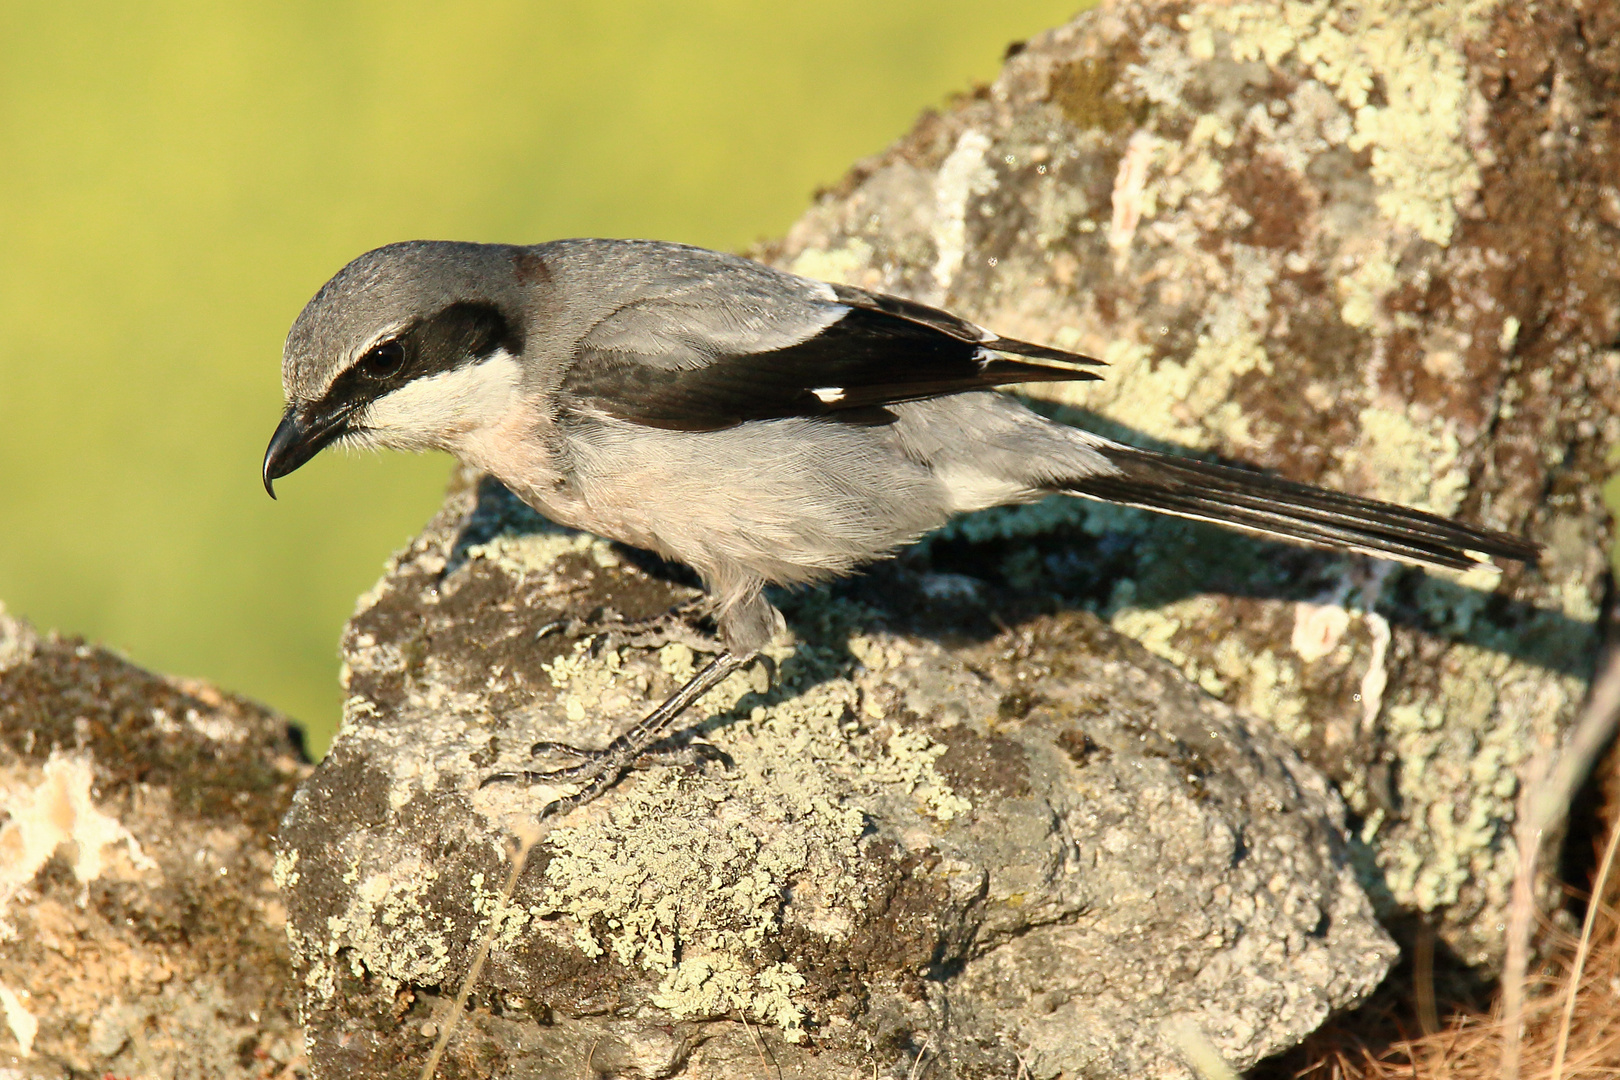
461,334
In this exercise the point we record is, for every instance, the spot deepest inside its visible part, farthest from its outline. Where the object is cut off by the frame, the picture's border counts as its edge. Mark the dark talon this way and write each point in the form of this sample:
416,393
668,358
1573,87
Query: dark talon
563,775
674,625
702,751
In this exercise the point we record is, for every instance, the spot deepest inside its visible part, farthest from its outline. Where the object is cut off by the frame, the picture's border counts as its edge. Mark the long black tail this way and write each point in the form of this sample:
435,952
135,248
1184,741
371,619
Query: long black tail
1266,504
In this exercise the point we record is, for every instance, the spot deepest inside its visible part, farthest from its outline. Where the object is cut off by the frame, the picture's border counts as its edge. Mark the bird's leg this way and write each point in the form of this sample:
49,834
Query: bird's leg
599,769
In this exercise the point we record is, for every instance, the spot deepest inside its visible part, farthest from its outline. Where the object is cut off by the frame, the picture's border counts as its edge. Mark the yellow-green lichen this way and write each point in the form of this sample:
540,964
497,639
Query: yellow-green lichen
1156,628
386,930
1475,742
1362,290
285,871
1412,460
592,681
963,175
714,985
1268,687
844,265
1188,401
686,877
908,761
536,552
693,894
1409,55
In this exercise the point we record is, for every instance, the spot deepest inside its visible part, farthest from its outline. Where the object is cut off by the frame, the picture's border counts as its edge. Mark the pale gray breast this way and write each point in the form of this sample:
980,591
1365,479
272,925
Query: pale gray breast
791,499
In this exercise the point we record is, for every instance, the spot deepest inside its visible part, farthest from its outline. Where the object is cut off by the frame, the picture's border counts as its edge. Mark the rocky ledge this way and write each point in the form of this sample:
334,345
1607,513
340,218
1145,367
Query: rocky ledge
1065,791
141,933
1036,847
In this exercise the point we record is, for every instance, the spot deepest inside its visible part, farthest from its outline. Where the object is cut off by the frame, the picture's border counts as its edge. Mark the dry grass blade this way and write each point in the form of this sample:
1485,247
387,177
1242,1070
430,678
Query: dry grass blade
526,840
1547,801
1567,1025
1583,950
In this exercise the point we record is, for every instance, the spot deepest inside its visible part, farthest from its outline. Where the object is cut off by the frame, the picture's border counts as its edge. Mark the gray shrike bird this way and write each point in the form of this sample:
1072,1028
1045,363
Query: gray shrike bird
760,427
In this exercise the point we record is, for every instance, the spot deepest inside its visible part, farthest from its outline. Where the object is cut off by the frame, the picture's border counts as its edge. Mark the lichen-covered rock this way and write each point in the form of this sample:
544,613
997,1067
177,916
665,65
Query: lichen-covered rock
1368,246
1036,851
140,931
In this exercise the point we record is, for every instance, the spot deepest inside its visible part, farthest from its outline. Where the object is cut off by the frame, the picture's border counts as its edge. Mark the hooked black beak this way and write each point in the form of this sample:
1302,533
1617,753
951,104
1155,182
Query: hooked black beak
297,439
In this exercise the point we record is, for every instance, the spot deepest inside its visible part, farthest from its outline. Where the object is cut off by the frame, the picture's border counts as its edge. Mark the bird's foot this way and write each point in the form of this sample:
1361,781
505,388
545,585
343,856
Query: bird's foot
597,770
677,753
678,625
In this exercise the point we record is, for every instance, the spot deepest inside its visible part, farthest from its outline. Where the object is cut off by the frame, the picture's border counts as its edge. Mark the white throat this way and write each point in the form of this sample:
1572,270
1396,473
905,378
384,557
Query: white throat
438,412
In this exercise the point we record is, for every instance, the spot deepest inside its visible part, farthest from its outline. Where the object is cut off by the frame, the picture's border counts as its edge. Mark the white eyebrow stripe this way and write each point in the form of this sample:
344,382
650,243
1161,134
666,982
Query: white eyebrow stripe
829,395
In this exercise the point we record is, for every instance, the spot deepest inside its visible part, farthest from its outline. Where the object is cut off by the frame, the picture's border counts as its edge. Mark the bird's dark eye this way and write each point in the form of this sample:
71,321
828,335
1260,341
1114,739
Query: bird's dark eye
382,361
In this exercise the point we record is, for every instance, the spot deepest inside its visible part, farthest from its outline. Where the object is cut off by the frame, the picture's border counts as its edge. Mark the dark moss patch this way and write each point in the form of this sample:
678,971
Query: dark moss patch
1267,191
139,728
1081,748
978,766
1083,90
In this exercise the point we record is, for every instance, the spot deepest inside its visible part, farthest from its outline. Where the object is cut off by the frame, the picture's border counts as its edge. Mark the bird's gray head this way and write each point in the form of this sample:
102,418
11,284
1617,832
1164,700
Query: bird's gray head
407,347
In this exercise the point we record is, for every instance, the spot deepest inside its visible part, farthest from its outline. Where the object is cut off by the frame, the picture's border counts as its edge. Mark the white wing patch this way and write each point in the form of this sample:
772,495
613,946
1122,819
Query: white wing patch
829,395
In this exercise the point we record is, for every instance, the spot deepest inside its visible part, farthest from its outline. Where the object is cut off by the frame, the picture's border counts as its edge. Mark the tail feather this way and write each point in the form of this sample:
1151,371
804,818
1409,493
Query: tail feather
1276,507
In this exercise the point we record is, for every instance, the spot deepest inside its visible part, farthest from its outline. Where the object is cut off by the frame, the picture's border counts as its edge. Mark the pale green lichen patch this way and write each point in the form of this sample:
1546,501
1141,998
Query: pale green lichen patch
1399,67
908,761
537,552
386,930
1477,741
1189,401
1412,461
692,894
589,681
285,871
1156,628
1255,679
1470,746
963,176
715,985
1362,290
844,265
687,877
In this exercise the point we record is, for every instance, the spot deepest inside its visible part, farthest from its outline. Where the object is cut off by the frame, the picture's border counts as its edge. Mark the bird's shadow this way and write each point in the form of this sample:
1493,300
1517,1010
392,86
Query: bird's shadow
1068,552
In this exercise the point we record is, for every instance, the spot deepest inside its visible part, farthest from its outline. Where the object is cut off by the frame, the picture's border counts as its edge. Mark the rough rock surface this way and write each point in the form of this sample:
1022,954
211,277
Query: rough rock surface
140,931
937,844
1370,246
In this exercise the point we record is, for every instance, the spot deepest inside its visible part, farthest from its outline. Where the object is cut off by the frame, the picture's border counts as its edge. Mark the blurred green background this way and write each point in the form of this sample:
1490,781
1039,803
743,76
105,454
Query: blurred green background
178,177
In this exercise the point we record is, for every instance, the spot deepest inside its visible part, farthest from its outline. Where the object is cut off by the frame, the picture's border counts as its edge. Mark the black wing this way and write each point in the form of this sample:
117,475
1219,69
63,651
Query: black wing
882,350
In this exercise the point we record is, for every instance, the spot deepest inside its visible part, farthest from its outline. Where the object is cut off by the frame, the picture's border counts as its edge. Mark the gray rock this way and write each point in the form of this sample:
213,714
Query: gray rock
140,931
1039,848
1368,247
